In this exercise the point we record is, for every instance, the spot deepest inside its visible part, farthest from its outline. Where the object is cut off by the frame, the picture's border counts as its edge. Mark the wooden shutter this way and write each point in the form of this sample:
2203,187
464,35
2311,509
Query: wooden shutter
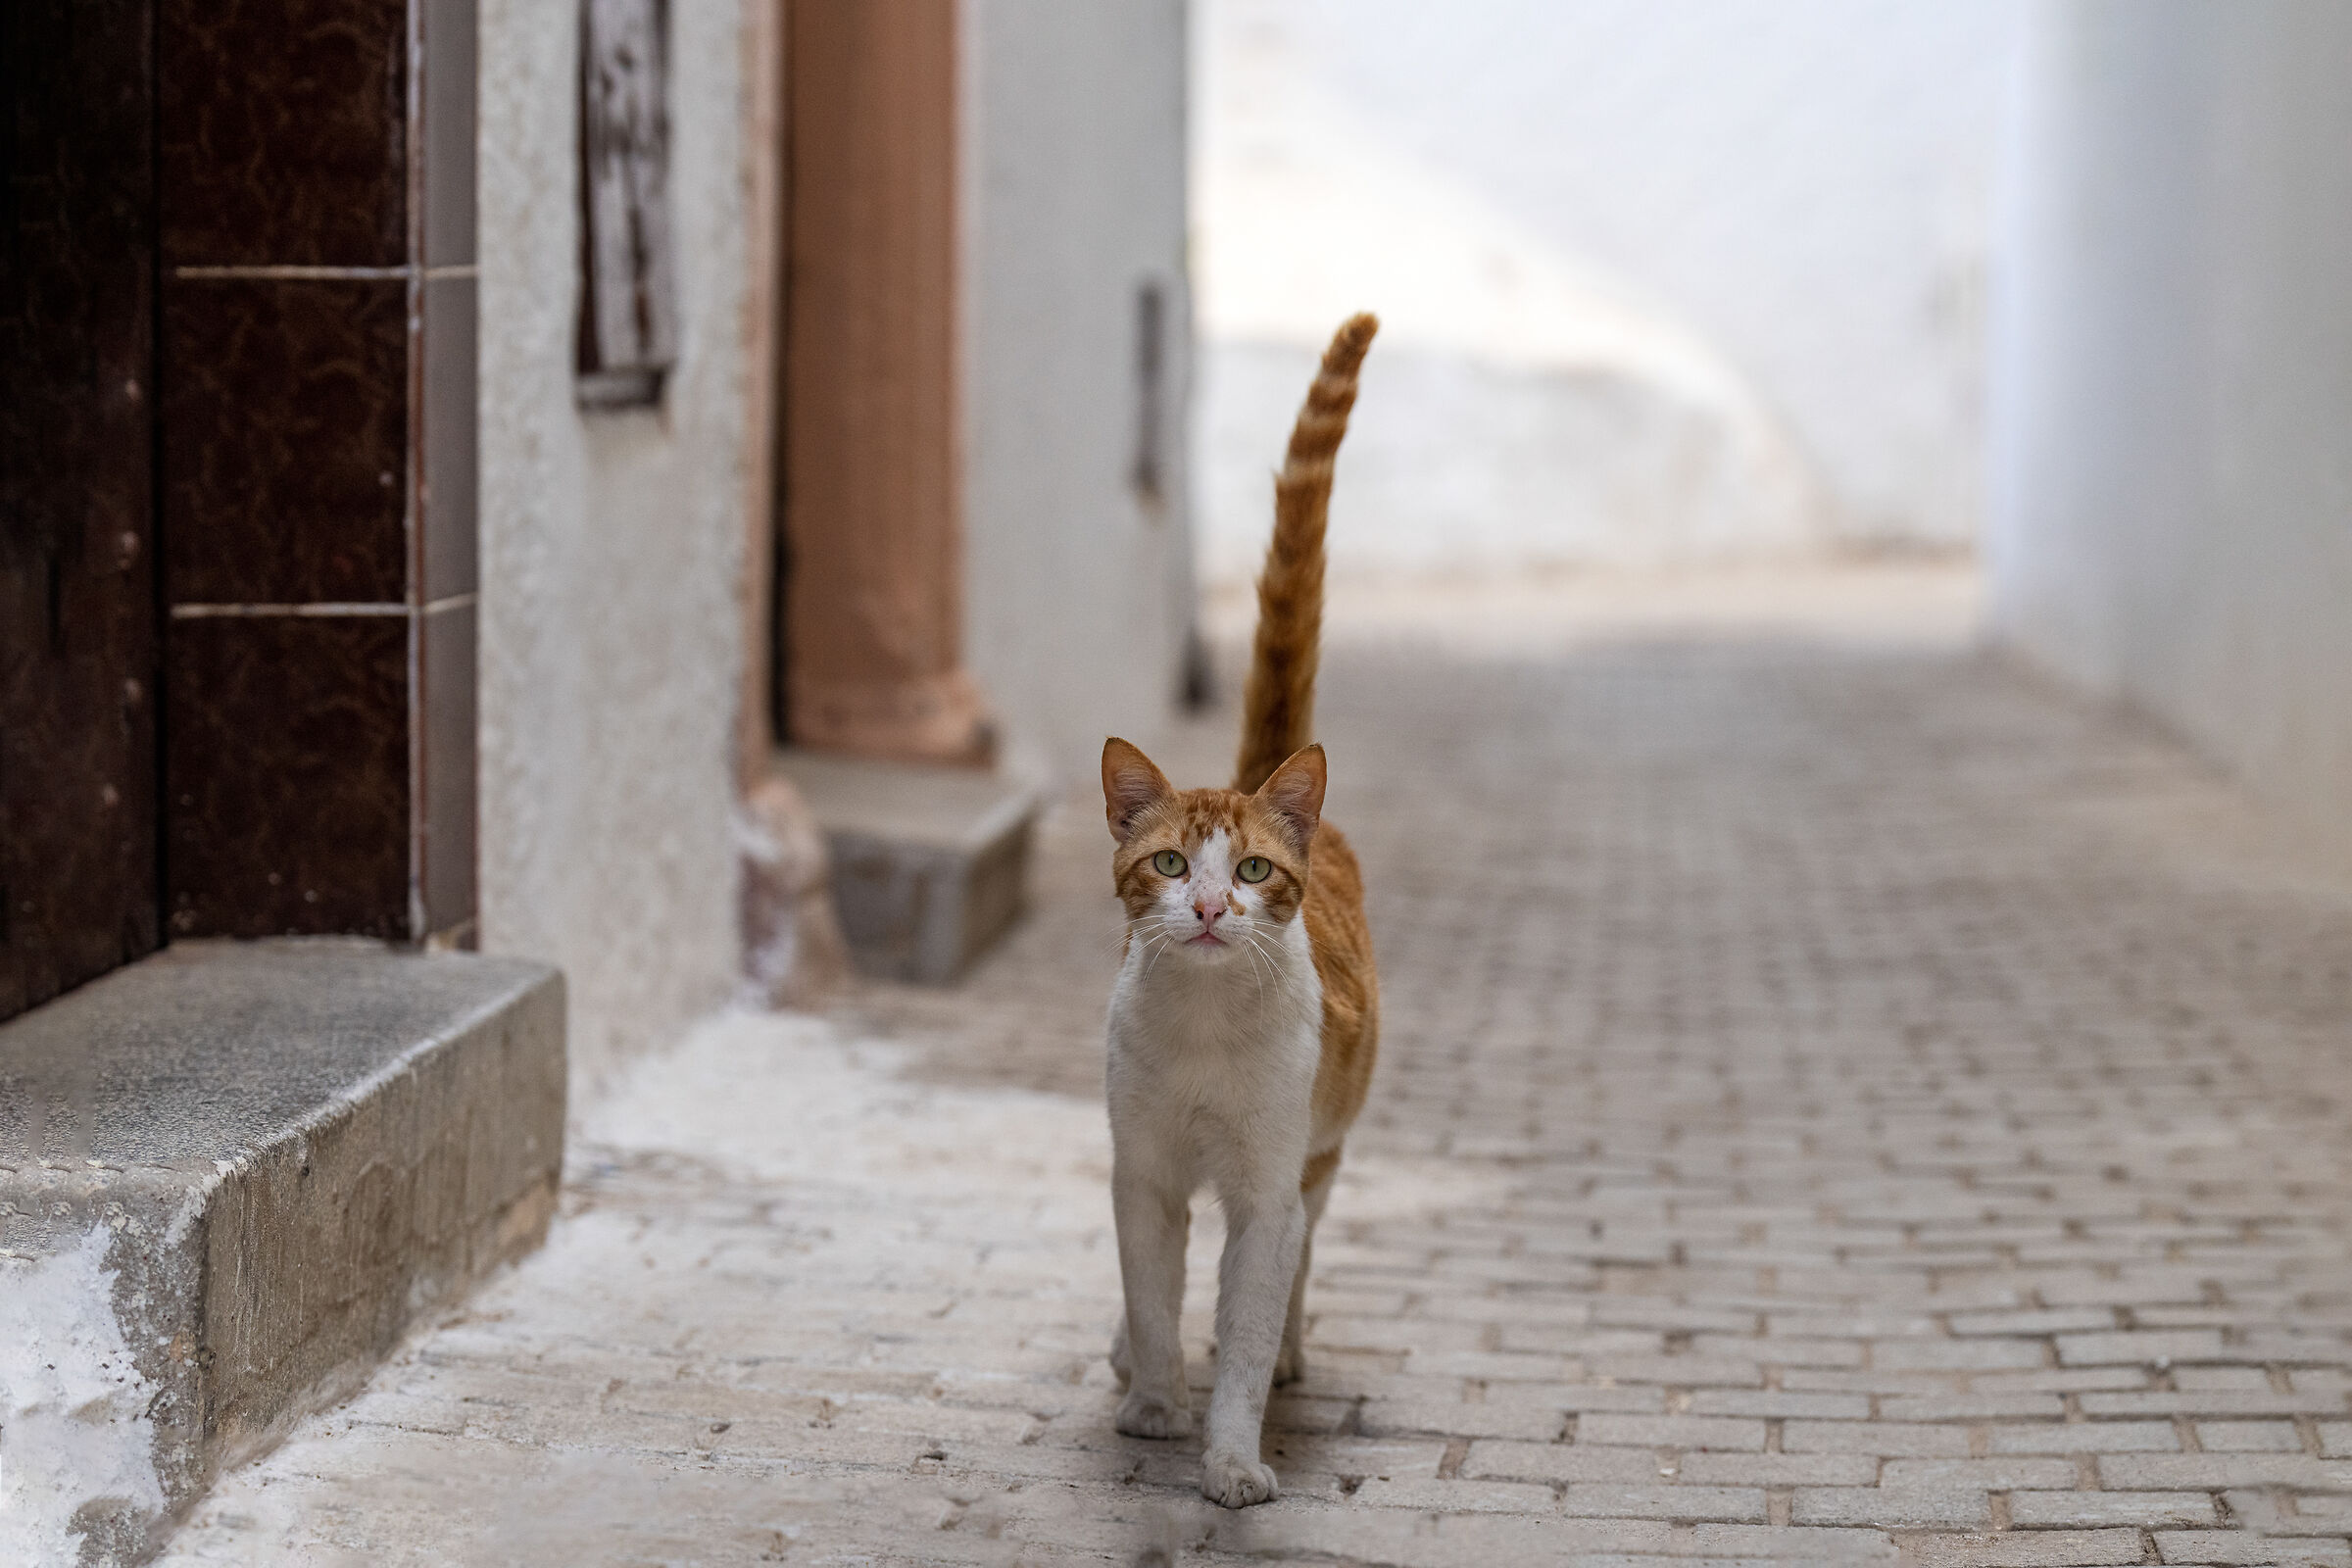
628,333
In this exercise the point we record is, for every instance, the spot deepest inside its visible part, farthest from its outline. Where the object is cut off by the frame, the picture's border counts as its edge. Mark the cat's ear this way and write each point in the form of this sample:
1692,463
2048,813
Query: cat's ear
1131,785
1293,794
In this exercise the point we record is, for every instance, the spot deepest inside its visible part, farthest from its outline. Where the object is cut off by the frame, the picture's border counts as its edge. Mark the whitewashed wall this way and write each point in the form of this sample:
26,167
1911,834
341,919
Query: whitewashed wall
609,557
1665,282
2172,517
1078,591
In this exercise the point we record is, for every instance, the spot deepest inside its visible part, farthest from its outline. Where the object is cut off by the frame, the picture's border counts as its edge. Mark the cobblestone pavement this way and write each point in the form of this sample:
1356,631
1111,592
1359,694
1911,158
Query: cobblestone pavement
1836,1103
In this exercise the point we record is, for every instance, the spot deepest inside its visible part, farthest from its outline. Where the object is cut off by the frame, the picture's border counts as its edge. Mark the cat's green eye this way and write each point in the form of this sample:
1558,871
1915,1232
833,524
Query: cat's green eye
1256,868
1167,862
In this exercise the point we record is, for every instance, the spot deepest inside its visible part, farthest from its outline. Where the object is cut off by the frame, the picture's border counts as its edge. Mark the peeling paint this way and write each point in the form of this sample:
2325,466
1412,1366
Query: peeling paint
75,1438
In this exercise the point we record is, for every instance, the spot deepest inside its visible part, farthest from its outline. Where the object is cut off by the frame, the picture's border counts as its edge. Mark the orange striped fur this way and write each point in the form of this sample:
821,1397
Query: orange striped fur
1279,713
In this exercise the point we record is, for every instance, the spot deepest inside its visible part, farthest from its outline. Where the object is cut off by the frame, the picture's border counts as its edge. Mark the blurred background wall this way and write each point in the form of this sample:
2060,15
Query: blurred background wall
1078,569
1663,283
2172,470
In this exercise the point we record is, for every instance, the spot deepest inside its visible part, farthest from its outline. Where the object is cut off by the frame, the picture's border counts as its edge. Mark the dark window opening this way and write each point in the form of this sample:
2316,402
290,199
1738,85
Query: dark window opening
1149,474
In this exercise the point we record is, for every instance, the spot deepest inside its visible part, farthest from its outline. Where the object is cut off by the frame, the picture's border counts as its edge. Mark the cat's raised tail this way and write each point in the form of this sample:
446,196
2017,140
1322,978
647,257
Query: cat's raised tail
1279,713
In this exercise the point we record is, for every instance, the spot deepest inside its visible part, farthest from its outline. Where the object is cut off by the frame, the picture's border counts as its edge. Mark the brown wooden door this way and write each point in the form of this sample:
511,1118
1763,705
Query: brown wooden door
77,586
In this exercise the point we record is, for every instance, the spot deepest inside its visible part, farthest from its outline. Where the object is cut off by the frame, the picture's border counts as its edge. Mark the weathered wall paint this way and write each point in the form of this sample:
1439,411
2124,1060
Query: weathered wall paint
611,546
75,1410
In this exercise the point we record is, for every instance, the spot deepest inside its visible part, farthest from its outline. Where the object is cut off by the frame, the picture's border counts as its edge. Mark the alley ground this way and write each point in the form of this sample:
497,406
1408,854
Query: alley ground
1841,1100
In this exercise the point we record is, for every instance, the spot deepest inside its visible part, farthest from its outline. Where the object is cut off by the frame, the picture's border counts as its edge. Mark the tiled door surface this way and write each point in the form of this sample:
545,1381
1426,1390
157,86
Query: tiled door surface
318,428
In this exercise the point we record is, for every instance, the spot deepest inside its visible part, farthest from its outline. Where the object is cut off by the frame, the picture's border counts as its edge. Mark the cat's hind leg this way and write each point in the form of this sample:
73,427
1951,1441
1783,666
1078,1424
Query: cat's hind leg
1316,1191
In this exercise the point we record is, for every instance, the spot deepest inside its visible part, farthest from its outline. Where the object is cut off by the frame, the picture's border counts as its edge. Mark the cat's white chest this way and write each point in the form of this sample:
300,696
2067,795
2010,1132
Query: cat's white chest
1208,1068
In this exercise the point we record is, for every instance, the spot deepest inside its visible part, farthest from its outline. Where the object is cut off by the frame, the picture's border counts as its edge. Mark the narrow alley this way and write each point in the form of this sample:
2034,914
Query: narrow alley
1840,1101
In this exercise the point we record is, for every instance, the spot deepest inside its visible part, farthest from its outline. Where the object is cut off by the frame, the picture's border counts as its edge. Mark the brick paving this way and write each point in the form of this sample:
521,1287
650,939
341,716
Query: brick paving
1837,1104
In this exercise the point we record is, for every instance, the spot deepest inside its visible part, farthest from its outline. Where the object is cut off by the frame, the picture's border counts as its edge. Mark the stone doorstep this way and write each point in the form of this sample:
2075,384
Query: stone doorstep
929,865
230,1175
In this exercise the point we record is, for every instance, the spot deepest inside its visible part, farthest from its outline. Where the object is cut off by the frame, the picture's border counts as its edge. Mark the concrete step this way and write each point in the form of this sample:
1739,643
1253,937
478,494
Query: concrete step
230,1175
929,865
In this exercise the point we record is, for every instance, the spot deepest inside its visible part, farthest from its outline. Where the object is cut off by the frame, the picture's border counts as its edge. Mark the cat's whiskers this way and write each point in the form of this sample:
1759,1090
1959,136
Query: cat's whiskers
1167,940
1268,946
1134,926
1260,963
1284,978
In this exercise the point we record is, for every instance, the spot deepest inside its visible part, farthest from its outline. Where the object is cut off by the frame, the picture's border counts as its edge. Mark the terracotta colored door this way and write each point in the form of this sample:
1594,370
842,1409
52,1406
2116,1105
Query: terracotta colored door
78,583
873,643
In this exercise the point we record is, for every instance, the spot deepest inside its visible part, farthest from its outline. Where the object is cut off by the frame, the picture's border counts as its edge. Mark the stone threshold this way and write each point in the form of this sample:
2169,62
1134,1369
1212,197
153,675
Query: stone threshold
230,1175
930,865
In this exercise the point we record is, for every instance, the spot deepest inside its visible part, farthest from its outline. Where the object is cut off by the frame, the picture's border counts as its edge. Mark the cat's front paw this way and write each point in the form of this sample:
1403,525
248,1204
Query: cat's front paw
1229,1479
1149,1415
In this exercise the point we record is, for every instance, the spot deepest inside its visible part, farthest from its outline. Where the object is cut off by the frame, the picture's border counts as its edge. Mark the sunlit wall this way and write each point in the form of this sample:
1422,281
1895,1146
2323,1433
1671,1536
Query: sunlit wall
1664,284
2172,517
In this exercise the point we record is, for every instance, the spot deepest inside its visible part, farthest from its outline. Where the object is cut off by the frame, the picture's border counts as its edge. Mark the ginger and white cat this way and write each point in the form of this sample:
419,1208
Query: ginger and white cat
1244,1022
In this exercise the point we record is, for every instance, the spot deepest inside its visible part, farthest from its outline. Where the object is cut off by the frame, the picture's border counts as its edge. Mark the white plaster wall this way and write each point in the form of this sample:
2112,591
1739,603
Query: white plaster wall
1078,594
1791,191
2172,518
609,557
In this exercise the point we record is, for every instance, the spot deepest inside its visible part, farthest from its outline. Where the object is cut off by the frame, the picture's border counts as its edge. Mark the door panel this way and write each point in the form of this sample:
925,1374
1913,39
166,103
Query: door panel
77,591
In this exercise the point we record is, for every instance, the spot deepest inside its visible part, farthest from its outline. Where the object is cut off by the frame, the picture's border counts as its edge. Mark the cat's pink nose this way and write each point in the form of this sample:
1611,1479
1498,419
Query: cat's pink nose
1209,907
